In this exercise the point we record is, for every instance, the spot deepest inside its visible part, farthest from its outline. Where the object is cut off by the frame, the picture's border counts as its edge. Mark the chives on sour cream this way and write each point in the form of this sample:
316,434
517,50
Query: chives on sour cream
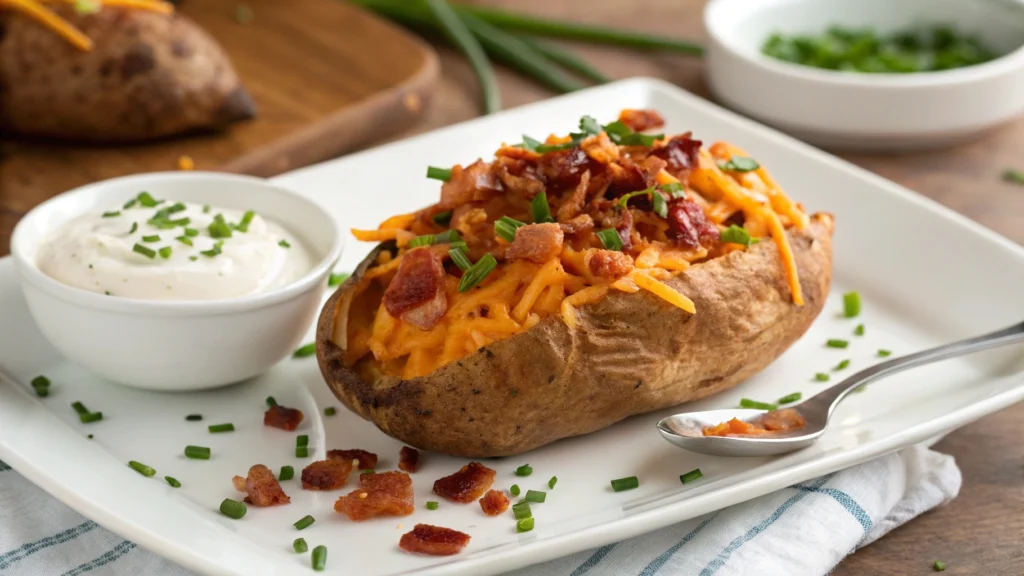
155,249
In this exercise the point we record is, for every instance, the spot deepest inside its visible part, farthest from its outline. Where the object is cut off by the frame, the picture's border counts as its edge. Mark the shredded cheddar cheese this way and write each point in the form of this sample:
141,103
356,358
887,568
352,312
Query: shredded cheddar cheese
36,10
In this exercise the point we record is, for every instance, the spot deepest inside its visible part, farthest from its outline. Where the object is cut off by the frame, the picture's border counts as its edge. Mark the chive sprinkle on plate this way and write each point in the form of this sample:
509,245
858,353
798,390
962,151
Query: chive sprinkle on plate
883,353
522,510
330,411
748,403
287,473
938,566
837,343
197,452
233,508
536,496
843,365
304,522
431,505
524,525
194,417
524,470
790,398
173,482
551,483
319,558
217,428
141,468
305,351
622,484
821,377
691,476
300,546
514,490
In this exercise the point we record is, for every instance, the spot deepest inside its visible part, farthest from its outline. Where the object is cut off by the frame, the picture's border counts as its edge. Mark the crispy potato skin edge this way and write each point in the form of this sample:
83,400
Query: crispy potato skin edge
630,354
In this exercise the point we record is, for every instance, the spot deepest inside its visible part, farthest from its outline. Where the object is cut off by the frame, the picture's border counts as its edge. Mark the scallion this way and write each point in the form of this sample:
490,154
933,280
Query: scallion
215,250
135,226
659,204
442,218
141,468
284,243
147,252
191,232
335,279
821,377
859,330
737,235
300,546
851,304
41,384
740,164
233,508
843,365
287,473
505,228
305,351
622,484
524,470
610,239
302,440
435,173
691,476
147,201
748,403
431,505
330,411
536,496
173,482
219,227
938,566
165,252
271,401
302,451
460,259
243,225
552,482
524,525
514,490
522,510
673,189
197,452
836,343
319,558
113,214
425,240
540,208
152,238
218,428
304,522
90,417
184,240
882,353
790,398
194,417
477,273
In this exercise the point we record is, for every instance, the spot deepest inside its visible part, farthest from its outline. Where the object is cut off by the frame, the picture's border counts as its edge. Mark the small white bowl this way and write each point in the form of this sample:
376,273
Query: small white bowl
177,345
866,111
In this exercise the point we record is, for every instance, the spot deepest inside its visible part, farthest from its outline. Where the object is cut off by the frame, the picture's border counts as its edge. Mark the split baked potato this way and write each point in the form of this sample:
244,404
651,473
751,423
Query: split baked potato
121,74
567,285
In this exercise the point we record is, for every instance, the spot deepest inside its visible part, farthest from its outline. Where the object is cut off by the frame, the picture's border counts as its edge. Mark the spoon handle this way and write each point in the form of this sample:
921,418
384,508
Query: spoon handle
833,395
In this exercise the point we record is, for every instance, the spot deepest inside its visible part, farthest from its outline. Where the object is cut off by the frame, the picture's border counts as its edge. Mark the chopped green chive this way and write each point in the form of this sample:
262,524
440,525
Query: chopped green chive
302,440
305,351
461,260
135,226
130,203
822,377
790,398
836,343
191,232
300,546
284,243
147,252
505,228
477,273
859,330
197,452
173,482
524,470
748,403
79,408
219,227
552,482
540,209
623,135
194,417
217,428
514,490
1013,175
673,189
90,417
41,384
89,436
435,173
740,164
184,240
165,252
659,204
522,510
367,471
623,200
330,411
319,558
243,226
233,508
206,208
431,505
524,525
851,304
691,476
425,240
193,258
152,238
622,484
536,496
213,251
287,473
737,235
610,239
141,468
113,214
442,218
271,401
447,236
305,522
939,566
302,451
843,365
882,353
147,201
337,279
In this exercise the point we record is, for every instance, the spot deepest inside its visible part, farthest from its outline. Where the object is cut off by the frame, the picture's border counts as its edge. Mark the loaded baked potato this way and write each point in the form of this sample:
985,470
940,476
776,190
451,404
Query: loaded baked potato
125,72
569,284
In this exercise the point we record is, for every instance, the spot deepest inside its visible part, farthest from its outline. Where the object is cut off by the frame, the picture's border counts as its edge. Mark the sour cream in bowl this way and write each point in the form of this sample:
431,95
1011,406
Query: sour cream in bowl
176,281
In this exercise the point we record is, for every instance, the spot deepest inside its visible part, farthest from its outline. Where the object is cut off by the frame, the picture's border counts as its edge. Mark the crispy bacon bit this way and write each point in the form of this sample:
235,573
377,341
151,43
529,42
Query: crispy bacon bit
494,502
416,295
261,486
680,152
689,225
781,420
433,540
385,494
409,459
563,168
574,203
609,263
470,184
278,416
626,176
367,460
519,176
624,228
536,242
467,484
329,474
578,227
653,165
640,120
600,148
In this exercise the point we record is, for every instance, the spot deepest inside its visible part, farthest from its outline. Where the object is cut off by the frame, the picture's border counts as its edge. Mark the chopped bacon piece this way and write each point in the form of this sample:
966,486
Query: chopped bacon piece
278,416
781,420
367,460
416,294
689,225
261,487
609,263
562,169
574,203
433,540
624,228
536,242
578,227
653,165
385,494
494,502
466,485
640,120
329,474
518,176
409,459
626,176
680,152
600,148
470,184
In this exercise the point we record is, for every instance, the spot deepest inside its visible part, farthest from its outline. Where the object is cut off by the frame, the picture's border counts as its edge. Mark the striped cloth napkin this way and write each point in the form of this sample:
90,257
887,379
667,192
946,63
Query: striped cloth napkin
803,530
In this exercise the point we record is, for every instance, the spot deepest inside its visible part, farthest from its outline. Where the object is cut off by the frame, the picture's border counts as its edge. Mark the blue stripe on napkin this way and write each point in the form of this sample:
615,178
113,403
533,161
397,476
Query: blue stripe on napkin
847,502
8,558
111,556
656,564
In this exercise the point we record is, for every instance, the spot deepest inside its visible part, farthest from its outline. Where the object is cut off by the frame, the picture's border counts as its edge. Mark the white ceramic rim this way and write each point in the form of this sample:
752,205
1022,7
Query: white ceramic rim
31,273
1009,63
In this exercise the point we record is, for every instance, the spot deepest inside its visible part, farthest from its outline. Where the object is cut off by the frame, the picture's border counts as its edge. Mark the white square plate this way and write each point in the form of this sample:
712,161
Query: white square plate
926,275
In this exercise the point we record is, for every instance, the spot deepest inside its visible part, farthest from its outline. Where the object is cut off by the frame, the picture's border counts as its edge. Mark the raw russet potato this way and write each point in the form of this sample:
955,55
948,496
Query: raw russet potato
630,354
148,76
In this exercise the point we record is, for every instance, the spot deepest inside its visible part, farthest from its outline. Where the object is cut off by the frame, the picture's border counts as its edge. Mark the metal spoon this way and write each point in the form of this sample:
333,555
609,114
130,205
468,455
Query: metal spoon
686,430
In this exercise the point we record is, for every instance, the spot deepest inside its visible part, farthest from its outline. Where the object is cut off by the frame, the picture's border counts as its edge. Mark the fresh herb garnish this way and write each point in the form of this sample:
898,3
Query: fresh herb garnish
882,353
610,239
219,227
213,251
623,135
141,468
522,510
335,279
622,484
90,417
539,147
552,482
135,226
536,496
691,476
304,522
859,330
540,209
151,238
173,482
41,384
233,508
300,546
505,228
194,417
243,225
514,490
319,559
843,365
219,428
442,218
206,208
738,235
184,240
431,505
191,232
302,451
1014,175
524,470
302,440
113,214
524,525
147,252
425,240
146,200
130,203
435,173
740,164
748,403
197,452
851,304
305,351
165,252
790,398
287,473
458,256
938,566
330,411
673,189
822,377
836,343
284,243
477,273
658,203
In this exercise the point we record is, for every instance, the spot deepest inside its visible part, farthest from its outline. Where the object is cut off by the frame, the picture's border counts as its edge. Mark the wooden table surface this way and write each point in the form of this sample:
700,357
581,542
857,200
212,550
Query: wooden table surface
982,530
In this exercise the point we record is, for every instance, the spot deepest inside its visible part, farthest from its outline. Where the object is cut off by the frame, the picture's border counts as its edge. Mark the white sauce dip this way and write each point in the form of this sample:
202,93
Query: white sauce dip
101,252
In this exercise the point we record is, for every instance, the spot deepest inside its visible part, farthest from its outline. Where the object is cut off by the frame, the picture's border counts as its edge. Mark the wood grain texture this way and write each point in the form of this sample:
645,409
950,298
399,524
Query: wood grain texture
327,77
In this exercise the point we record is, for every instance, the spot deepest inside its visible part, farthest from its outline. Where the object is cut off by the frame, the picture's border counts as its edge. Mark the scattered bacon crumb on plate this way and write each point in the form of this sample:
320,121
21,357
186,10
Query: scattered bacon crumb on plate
284,418
261,487
494,502
385,494
466,485
433,540
367,460
409,459
329,474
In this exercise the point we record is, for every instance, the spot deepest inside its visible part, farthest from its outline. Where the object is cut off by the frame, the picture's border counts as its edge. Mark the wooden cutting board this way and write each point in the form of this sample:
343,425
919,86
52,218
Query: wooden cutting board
327,77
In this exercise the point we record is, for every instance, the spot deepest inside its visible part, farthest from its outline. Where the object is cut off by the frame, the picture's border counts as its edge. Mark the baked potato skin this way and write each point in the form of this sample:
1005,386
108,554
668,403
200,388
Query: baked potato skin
630,354
148,76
